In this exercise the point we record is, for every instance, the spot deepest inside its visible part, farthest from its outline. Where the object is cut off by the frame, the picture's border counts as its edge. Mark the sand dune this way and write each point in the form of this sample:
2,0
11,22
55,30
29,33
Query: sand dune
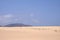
30,33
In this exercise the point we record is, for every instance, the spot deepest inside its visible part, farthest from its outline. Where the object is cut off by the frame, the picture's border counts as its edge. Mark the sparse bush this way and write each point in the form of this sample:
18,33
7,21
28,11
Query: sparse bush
55,30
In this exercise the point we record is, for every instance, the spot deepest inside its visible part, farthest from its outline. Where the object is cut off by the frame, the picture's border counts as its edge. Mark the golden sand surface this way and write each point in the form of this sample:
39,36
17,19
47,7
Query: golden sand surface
30,33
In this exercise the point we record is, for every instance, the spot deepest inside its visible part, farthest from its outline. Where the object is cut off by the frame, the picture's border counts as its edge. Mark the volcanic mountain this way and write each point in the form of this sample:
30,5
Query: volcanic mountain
16,25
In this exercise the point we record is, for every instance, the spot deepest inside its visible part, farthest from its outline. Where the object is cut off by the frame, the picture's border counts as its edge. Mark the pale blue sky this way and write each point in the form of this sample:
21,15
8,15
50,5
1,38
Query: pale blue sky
33,12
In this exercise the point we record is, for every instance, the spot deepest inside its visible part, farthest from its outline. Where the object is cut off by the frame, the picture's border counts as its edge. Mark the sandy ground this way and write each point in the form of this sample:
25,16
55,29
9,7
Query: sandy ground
30,33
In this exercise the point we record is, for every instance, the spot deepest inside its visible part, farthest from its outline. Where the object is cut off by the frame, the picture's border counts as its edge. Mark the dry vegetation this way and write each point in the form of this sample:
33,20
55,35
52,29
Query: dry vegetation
30,33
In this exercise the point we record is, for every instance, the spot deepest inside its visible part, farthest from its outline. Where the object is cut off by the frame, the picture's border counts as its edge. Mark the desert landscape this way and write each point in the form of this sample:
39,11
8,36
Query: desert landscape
30,33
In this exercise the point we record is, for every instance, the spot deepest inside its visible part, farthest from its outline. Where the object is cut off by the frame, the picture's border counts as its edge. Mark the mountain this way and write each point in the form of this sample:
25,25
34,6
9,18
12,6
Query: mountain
0,26
16,25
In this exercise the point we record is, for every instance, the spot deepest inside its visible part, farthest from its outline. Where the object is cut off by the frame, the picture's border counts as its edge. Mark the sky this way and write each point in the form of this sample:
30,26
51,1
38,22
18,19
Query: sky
31,12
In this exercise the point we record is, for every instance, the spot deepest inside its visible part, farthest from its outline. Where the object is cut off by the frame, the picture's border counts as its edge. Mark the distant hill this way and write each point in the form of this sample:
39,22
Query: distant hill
16,25
0,26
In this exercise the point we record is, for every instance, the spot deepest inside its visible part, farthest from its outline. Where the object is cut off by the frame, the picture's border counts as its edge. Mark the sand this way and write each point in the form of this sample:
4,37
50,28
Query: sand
30,33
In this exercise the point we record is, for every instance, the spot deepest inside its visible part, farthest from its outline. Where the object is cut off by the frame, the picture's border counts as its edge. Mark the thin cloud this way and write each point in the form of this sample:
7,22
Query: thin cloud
32,15
35,21
8,16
